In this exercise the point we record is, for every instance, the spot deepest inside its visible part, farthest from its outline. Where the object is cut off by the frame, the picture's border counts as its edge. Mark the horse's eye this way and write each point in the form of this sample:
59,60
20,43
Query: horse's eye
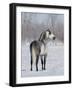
49,32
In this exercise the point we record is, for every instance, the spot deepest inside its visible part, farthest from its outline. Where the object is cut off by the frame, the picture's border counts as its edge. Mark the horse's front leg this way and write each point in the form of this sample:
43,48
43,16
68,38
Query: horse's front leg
45,62
42,61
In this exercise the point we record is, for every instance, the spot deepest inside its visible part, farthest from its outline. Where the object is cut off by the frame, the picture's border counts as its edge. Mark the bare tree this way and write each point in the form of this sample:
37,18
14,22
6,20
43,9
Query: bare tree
35,23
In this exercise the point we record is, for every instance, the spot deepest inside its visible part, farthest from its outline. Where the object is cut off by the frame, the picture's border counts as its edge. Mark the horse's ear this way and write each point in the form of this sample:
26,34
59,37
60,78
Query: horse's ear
49,32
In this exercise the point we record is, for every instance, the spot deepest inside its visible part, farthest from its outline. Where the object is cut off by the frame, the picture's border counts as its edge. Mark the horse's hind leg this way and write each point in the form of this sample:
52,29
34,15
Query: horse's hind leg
45,62
42,61
37,59
31,62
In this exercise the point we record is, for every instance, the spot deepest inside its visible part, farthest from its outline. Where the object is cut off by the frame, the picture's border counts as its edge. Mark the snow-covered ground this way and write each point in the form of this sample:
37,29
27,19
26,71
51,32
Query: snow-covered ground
54,62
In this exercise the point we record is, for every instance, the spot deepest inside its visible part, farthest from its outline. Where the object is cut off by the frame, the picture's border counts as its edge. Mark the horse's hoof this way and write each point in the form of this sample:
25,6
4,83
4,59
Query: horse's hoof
31,69
44,69
36,69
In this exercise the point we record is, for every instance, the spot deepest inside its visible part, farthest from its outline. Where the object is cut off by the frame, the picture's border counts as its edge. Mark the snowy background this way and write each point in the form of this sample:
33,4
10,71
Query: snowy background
31,30
54,62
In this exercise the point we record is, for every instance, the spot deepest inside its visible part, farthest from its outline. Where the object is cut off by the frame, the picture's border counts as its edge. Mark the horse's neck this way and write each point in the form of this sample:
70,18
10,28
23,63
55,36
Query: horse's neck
43,42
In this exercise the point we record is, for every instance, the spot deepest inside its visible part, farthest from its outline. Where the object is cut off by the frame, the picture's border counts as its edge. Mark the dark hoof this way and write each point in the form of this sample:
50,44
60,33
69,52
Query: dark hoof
36,69
31,69
44,68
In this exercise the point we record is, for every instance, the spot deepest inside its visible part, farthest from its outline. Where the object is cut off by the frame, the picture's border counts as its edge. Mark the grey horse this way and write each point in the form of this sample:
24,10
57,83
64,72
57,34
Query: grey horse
38,49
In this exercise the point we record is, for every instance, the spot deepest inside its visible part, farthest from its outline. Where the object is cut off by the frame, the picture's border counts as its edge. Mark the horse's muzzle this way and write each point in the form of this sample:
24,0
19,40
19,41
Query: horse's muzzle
54,38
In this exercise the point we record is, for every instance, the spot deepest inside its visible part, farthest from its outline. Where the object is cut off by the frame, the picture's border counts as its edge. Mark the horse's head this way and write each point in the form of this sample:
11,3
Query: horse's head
47,35
50,35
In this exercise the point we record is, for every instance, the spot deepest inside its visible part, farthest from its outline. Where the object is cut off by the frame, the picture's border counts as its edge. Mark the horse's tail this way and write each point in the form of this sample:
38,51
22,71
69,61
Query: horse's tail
32,53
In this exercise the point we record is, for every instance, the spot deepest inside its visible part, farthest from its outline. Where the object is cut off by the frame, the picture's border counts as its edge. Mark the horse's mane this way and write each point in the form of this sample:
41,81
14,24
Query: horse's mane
42,36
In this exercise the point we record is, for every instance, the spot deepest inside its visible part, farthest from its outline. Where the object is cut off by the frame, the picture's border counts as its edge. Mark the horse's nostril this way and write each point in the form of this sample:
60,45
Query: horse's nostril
54,38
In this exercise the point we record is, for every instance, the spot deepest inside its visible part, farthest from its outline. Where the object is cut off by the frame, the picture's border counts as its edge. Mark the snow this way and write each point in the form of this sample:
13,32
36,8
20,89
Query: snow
54,61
